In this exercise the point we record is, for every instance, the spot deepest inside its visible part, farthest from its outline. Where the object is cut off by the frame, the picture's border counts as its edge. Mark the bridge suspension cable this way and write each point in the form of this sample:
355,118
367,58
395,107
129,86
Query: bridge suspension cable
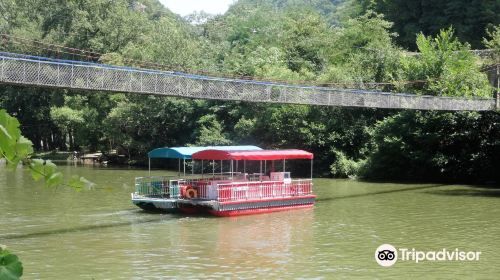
59,51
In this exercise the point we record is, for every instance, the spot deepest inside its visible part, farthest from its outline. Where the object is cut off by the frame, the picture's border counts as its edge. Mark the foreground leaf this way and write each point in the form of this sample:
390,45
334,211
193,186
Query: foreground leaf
10,266
37,169
77,182
54,179
24,147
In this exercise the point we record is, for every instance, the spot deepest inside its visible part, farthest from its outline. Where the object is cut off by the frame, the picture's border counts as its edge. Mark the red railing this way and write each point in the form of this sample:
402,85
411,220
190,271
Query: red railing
201,184
240,191
202,190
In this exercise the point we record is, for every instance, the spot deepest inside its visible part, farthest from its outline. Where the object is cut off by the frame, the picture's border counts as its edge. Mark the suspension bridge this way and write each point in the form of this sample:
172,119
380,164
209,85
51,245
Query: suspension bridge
27,70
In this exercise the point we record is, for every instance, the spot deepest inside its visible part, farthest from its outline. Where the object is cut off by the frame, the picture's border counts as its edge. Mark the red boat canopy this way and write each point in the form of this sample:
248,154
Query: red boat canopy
252,155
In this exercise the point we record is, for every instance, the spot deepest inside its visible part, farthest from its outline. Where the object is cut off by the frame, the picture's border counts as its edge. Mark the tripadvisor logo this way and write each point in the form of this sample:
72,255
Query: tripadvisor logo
387,255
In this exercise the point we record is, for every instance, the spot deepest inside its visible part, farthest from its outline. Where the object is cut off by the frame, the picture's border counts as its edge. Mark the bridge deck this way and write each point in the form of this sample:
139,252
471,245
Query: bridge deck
45,72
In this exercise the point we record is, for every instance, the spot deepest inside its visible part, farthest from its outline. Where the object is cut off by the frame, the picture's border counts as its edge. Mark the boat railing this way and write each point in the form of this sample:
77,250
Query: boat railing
255,190
175,186
153,186
170,187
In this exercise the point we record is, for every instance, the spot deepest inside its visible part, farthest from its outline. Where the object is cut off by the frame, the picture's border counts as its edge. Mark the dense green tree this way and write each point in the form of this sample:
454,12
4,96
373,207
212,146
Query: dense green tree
305,41
413,145
67,120
210,132
139,123
362,52
328,132
411,17
492,41
101,25
162,45
332,10
447,66
32,107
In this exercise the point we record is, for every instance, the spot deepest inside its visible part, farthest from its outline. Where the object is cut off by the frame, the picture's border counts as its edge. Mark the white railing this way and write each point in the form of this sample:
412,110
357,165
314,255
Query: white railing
153,186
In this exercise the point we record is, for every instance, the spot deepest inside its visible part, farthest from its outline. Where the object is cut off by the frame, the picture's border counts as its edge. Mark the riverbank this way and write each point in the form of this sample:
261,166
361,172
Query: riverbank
96,158
54,155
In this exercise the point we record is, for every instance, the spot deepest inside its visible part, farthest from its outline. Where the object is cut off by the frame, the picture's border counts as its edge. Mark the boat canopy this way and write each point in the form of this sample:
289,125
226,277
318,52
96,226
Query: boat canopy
186,152
222,154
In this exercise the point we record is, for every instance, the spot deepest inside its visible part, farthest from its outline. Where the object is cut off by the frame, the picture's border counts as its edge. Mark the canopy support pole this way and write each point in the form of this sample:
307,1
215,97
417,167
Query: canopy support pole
179,167
202,169
283,165
213,168
312,168
231,169
221,168
265,167
149,165
260,171
244,166
192,167
184,166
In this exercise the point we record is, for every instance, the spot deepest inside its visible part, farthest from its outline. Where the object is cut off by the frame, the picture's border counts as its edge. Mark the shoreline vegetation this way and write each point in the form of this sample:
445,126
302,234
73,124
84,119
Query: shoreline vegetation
344,43
64,157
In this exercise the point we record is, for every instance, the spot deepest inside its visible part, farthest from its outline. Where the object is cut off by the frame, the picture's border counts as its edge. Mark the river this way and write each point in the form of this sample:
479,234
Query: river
59,233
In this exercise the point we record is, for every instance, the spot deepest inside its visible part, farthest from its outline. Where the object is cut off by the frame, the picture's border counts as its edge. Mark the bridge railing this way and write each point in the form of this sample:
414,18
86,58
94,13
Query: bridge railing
88,76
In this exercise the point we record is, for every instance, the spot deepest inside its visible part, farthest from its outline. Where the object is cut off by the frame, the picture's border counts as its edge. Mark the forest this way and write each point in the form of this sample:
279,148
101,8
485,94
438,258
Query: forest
400,46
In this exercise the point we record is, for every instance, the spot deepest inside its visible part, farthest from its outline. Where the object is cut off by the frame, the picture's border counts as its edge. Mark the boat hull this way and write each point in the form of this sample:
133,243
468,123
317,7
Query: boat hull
156,204
246,207
232,213
145,206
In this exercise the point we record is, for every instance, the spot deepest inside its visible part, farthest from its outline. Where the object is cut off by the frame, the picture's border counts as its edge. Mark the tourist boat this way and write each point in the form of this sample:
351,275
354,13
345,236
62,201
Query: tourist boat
162,192
230,193
244,193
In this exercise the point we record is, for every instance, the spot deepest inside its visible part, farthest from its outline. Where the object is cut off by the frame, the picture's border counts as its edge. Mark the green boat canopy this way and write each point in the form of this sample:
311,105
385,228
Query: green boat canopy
186,152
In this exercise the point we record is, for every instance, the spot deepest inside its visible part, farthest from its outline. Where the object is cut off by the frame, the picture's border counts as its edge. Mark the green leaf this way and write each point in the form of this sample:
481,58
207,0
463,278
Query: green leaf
10,266
24,147
13,163
77,182
4,133
54,179
10,124
13,145
9,133
6,143
49,167
37,169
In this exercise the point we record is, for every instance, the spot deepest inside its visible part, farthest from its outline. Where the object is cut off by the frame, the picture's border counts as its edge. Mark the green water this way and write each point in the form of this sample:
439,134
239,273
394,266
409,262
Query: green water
99,234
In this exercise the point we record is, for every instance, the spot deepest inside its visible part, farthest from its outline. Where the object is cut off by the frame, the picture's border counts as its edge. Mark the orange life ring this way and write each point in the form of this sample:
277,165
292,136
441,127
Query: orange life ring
191,193
183,189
